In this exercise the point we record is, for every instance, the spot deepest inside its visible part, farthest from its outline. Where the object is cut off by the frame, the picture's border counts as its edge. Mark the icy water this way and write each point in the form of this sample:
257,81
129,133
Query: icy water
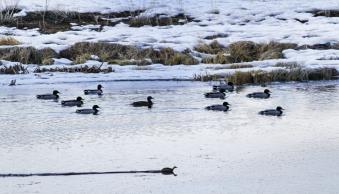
234,152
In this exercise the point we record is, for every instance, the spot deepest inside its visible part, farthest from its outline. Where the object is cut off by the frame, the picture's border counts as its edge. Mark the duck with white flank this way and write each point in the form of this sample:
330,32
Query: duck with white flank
98,91
147,103
265,94
272,112
94,110
77,102
227,87
219,107
221,94
53,96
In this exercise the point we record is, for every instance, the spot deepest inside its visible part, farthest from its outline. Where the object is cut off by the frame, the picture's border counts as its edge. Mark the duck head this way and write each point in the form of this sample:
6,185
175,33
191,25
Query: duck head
95,107
149,98
226,104
267,91
279,108
56,92
99,87
79,99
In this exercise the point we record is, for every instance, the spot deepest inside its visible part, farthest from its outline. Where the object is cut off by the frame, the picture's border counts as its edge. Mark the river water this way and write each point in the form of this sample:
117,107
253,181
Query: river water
215,152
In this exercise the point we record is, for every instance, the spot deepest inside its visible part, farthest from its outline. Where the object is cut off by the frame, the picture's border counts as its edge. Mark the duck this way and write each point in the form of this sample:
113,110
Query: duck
12,83
168,171
98,91
78,102
53,96
219,107
147,103
265,94
220,94
94,110
273,112
227,87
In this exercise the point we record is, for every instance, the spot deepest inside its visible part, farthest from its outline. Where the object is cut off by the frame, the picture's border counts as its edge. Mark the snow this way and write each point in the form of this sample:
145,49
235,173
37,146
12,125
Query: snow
254,20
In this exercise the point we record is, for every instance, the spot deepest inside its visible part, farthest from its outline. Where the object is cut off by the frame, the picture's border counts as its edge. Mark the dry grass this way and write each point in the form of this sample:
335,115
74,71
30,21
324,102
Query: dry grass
325,13
8,41
142,68
116,54
81,59
53,21
213,48
281,75
207,77
288,65
245,51
82,69
159,20
220,58
14,69
7,12
27,55
142,62
215,36
232,66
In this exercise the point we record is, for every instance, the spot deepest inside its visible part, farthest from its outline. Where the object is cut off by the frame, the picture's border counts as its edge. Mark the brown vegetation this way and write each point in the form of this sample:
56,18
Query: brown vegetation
8,41
115,53
14,69
280,75
78,69
213,48
27,55
159,20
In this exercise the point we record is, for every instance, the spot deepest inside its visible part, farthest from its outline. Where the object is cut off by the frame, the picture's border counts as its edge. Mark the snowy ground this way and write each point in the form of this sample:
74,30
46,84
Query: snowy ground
255,20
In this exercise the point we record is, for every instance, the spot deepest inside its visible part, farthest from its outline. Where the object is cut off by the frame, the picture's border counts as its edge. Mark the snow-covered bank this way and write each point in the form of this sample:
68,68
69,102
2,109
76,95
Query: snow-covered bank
254,20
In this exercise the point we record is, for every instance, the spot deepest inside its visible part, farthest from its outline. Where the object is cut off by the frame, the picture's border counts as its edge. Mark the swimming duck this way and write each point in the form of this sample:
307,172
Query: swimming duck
221,94
12,83
53,96
98,91
227,87
94,110
219,107
168,171
273,112
147,103
78,102
265,94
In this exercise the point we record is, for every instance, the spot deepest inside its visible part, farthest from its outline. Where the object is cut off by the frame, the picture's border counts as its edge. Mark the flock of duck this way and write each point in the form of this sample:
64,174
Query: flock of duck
218,92
79,100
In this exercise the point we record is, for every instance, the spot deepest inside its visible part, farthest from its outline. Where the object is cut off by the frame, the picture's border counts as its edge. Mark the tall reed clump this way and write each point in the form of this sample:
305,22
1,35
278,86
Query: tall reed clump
7,11
13,69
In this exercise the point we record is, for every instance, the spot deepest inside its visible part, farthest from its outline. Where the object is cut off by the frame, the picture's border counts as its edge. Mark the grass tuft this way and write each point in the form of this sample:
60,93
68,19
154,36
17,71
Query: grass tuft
81,59
280,75
13,69
8,41
213,48
27,55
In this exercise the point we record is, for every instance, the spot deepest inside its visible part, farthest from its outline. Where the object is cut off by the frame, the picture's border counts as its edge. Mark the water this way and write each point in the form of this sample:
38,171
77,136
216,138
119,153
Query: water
234,152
